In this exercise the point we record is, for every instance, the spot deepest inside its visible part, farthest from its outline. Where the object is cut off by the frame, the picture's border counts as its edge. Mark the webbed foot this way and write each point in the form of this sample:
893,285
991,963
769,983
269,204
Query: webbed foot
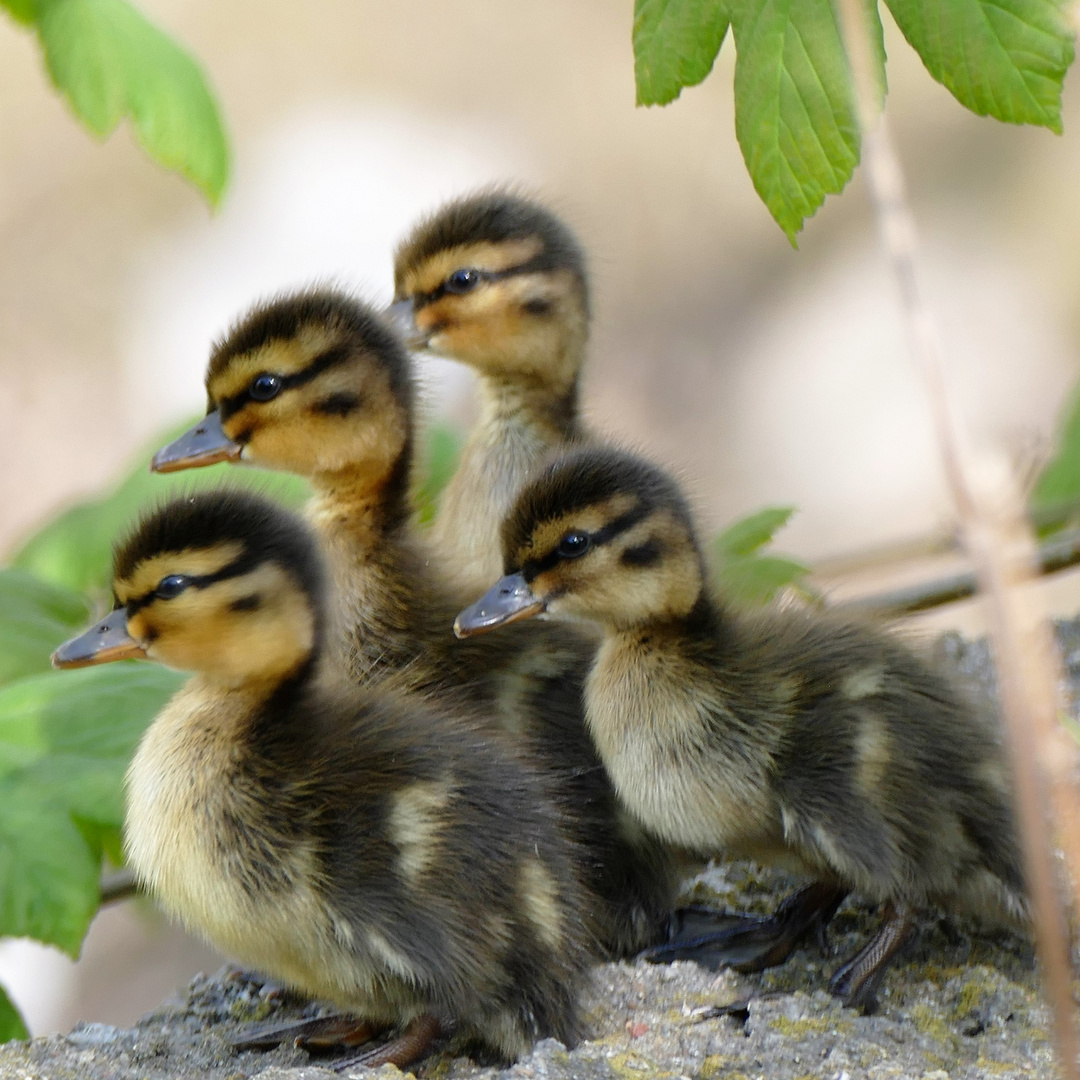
412,1044
744,942
320,1033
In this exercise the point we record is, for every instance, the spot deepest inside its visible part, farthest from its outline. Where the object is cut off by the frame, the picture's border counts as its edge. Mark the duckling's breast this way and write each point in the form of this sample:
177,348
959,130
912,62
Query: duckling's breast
208,845
683,772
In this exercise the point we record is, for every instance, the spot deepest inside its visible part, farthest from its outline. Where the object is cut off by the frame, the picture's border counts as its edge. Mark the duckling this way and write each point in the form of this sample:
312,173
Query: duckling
497,282
789,737
359,847
316,383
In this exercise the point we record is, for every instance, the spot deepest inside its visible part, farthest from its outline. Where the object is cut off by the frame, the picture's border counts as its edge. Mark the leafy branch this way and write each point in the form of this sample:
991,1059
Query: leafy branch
111,63
795,113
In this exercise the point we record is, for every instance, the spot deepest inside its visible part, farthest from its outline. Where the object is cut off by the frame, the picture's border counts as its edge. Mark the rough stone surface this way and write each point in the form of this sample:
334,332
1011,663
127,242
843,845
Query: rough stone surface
964,1003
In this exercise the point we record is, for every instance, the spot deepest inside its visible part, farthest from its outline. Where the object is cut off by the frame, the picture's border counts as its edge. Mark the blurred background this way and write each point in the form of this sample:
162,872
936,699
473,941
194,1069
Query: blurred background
761,373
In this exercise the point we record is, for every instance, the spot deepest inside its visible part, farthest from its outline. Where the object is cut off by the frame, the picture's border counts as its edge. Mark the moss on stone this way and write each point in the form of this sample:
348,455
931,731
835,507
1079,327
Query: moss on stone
250,1011
634,1066
972,995
810,1025
929,1022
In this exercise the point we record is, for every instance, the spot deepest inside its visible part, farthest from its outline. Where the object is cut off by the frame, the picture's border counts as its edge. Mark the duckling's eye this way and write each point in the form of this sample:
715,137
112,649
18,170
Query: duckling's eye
264,387
463,281
171,586
573,544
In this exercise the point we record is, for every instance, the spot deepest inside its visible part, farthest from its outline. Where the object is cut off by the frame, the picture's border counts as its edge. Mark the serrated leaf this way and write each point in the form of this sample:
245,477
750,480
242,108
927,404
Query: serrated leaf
11,1023
111,63
795,115
1001,58
675,45
35,617
74,550
48,875
754,531
65,742
73,732
752,580
23,11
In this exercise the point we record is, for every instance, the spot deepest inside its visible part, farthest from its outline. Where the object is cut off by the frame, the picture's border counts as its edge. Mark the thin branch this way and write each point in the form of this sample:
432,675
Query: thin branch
118,885
1002,550
1057,554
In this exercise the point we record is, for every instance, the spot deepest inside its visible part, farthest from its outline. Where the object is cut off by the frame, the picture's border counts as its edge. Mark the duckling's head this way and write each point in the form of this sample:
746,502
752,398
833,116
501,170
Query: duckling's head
311,383
498,282
223,583
598,534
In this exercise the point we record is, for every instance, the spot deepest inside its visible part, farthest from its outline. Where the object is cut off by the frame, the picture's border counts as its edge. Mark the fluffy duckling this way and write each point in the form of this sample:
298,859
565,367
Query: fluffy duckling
497,282
317,384
787,737
359,848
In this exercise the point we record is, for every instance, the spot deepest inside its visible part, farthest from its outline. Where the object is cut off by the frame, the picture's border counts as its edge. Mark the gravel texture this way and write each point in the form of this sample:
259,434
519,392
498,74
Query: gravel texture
963,1003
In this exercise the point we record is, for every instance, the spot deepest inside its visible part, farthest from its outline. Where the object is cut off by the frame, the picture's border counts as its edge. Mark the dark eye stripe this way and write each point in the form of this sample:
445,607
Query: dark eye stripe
539,262
531,567
232,404
242,564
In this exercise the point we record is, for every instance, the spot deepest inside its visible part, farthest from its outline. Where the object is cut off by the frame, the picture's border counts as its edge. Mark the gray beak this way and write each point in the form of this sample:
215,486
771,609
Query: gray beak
205,443
401,317
107,641
508,600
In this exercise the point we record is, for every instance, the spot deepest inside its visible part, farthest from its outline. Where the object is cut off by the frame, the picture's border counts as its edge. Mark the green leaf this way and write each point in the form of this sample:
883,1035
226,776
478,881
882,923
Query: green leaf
48,875
74,732
111,63
23,11
795,115
35,617
11,1023
752,580
745,577
675,45
443,450
1001,58
748,534
75,549
65,742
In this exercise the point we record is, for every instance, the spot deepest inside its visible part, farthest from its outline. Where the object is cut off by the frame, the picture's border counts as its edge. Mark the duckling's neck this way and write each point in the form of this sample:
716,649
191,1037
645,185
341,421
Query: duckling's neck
521,420
262,688
704,620
546,409
364,506
378,607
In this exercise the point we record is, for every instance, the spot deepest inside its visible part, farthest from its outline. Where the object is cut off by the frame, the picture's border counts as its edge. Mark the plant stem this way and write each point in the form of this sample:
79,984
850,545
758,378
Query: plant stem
119,885
1059,553
1002,550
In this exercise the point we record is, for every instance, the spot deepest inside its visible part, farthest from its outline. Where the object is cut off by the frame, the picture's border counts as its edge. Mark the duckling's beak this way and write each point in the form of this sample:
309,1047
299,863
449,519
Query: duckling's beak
402,318
205,443
109,640
509,600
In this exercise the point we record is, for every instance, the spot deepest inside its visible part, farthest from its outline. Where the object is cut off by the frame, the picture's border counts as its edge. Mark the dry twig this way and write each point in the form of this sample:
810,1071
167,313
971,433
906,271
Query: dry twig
1002,550
1057,554
118,885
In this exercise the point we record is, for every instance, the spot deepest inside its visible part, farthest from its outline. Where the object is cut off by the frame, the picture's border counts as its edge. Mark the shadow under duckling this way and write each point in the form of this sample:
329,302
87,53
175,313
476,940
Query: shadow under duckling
496,281
358,847
318,384
822,746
